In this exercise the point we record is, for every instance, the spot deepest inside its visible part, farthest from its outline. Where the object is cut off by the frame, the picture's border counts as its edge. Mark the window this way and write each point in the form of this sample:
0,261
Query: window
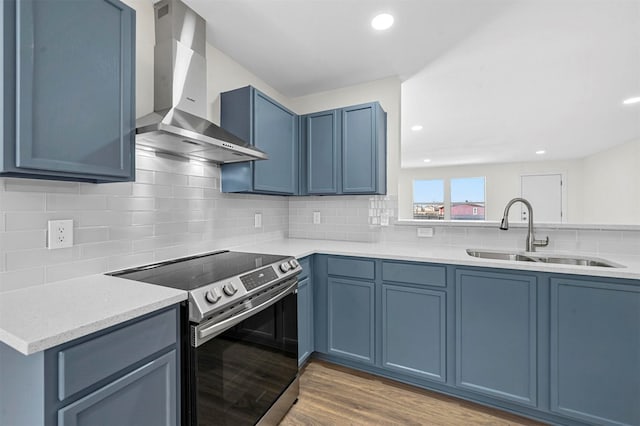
467,198
428,199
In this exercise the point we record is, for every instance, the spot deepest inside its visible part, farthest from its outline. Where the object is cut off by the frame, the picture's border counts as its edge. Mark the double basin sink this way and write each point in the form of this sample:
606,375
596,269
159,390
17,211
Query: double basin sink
543,258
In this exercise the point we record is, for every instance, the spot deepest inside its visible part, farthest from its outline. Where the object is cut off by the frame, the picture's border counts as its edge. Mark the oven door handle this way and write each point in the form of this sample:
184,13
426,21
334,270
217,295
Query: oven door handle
204,332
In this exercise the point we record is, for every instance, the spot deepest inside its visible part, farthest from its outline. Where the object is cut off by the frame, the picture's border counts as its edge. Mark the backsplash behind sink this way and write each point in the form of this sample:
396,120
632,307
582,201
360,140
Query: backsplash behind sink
175,208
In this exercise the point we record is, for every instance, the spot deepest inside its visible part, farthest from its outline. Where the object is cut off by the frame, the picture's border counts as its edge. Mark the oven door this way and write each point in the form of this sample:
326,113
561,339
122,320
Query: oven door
237,375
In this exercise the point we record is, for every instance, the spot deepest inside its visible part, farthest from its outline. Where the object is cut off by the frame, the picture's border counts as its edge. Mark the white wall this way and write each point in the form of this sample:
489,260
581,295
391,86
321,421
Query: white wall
612,183
502,184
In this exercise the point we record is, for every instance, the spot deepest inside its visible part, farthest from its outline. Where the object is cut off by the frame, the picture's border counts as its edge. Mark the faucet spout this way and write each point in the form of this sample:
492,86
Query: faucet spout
531,241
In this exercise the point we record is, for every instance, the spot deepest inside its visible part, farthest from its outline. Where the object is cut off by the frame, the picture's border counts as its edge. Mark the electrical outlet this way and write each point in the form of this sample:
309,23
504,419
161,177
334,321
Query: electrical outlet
258,220
60,234
316,218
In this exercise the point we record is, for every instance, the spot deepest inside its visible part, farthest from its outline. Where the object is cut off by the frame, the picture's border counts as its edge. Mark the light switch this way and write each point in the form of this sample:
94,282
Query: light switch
316,218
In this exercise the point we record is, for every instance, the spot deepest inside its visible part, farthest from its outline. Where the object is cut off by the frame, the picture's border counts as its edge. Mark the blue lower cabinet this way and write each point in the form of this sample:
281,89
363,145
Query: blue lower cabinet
350,313
414,331
146,396
125,375
595,351
496,335
305,320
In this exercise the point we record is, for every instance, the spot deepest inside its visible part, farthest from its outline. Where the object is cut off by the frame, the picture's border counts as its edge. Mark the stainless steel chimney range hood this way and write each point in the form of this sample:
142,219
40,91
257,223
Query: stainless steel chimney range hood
176,126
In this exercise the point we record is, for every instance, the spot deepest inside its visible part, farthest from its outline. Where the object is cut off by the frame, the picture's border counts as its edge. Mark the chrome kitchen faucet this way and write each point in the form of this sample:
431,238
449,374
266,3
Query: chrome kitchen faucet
531,242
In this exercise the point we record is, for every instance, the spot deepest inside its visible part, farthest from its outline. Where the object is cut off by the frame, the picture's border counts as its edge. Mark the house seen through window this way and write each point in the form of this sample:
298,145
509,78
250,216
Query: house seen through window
428,199
465,200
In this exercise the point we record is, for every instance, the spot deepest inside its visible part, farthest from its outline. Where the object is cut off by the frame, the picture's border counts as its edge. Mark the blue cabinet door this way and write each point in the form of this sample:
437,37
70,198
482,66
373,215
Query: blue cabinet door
595,351
264,123
322,150
146,396
73,102
414,331
275,132
363,150
351,327
496,335
305,320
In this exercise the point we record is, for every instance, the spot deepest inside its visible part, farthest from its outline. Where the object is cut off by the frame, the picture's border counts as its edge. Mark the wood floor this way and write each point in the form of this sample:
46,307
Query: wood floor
333,395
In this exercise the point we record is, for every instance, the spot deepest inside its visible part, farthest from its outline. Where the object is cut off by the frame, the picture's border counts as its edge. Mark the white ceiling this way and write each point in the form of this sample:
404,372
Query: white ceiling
308,46
490,80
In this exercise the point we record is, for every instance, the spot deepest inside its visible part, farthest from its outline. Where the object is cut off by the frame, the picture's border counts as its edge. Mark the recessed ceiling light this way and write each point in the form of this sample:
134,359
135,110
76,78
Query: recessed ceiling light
630,101
540,152
381,22
416,128
427,160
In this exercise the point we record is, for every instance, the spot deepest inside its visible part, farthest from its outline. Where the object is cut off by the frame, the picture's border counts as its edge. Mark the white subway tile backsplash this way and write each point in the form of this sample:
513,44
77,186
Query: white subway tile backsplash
174,208
130,232
131,204
148,190
65,271
104,249
164,178
119,262
21,240
39,185
145,176
170,228
201,182
91,234
101,218
22,221
119,188
67,202
14,280
22,201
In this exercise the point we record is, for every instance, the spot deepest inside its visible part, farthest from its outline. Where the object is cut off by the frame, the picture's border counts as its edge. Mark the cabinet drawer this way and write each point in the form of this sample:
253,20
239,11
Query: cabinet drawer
414,273
305,264
86,363
146,396
348,267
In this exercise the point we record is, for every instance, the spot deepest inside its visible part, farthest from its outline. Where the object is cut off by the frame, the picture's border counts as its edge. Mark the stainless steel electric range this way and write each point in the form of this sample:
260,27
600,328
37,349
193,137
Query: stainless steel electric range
240,359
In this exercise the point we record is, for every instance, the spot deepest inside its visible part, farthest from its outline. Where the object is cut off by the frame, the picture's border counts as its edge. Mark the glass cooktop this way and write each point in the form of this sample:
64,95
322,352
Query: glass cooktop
189,273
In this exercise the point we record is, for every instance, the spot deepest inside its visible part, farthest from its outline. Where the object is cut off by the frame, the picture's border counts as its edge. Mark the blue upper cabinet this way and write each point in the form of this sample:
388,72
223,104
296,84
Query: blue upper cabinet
364,149
346,150
68,90
321,134
262,122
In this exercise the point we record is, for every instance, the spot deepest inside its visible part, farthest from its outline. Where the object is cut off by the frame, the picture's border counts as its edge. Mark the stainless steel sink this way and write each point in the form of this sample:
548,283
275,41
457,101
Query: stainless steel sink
535,257
500,255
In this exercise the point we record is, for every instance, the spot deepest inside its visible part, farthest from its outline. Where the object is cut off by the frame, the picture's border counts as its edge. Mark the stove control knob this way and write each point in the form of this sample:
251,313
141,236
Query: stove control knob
294,263
230,288
284,267
213,295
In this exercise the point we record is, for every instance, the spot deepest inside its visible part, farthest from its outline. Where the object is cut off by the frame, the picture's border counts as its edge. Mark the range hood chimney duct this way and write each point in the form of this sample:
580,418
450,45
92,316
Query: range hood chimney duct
177,125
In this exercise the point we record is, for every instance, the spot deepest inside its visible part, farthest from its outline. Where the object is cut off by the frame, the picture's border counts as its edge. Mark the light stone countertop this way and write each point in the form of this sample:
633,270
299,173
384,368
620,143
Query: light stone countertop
441,254
37,318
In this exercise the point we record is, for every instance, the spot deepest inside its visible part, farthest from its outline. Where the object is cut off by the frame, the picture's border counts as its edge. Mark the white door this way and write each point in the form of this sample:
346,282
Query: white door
544,192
